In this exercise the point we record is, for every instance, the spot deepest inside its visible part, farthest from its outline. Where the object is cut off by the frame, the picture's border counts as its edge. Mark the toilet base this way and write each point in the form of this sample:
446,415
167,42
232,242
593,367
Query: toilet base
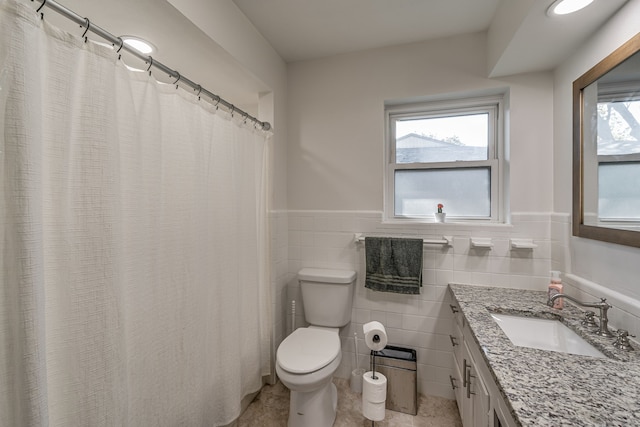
313,409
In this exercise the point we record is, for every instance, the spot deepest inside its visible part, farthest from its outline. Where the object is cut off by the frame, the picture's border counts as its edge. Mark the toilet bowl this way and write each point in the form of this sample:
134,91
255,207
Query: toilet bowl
307,359
306,362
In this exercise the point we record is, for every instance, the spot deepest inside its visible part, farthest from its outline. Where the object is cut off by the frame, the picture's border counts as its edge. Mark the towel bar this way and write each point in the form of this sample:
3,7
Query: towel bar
445,241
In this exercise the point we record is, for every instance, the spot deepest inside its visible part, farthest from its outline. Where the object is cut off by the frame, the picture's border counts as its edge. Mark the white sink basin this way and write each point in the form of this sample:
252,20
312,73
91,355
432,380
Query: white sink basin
544,334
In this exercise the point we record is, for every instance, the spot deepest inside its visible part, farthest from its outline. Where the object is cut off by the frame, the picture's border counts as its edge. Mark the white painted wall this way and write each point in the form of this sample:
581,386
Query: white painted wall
599,269
336,116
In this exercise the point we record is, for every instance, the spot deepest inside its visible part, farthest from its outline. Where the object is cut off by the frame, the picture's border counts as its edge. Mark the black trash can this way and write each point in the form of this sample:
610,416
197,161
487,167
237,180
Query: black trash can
400,367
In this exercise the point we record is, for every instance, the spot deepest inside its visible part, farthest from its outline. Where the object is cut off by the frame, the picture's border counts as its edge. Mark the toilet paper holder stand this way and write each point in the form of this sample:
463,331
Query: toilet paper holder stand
376,339
373,364
374,353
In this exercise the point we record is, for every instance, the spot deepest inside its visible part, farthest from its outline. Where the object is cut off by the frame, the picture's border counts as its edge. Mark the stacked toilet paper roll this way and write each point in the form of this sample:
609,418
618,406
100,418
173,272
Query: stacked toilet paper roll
374,395
375,336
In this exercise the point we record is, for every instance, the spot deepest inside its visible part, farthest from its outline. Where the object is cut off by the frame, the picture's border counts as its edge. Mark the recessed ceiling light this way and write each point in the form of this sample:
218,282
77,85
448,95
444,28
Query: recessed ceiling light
564,7
139,44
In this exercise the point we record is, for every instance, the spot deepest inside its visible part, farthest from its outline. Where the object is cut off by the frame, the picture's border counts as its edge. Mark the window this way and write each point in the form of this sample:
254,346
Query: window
444,152
618,151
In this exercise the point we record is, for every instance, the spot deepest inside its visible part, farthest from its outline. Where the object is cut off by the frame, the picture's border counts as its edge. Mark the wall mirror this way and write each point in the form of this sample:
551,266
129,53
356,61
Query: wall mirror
606,148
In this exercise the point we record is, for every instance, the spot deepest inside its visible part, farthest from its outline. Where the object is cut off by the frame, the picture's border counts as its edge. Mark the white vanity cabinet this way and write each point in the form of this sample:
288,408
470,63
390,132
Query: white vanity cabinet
479,400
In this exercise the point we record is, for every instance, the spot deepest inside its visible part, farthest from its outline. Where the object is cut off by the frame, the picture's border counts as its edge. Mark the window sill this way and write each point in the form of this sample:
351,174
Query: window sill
447,223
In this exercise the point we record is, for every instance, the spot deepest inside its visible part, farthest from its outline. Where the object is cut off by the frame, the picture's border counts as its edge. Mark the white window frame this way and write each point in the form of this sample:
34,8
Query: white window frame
493,105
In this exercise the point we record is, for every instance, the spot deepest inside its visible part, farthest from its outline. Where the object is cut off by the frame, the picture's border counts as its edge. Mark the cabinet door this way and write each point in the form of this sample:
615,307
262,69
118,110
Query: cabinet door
467,392
475,406
502,416
480,399
456,383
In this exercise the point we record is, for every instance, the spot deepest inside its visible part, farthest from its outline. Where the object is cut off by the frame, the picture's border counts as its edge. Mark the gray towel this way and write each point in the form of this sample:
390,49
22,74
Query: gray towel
393,265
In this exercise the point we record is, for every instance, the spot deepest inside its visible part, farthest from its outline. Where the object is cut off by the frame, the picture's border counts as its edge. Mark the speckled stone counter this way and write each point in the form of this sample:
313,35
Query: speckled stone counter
546,388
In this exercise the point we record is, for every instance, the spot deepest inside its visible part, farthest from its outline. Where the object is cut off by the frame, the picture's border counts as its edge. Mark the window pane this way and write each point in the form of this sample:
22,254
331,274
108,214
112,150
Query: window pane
618,129
443,139
464,192
619,191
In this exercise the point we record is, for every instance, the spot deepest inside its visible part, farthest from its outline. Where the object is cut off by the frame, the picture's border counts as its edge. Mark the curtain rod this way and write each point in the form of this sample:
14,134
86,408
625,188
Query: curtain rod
117,41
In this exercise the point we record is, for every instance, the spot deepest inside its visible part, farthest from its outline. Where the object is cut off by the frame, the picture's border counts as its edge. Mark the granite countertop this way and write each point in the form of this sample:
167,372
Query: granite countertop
546,388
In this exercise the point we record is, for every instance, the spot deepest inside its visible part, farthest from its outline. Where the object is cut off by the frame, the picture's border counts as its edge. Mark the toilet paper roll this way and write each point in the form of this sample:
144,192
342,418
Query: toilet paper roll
373,411
375,336
374,390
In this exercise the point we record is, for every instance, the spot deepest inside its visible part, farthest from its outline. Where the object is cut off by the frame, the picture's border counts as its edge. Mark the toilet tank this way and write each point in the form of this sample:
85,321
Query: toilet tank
327,296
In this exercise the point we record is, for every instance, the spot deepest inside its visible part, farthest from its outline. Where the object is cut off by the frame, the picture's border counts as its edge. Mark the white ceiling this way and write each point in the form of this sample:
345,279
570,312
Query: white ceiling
523,38
306,29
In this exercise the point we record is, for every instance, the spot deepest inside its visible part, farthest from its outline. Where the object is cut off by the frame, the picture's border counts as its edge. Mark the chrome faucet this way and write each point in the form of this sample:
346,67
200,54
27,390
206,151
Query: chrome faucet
602,305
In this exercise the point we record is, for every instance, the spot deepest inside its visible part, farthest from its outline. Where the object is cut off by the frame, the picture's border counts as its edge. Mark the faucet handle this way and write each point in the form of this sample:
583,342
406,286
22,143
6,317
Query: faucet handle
589,320
622,340
623,333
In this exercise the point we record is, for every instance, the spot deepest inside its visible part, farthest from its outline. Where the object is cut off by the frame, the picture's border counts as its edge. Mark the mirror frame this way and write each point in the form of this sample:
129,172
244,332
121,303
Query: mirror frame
612,235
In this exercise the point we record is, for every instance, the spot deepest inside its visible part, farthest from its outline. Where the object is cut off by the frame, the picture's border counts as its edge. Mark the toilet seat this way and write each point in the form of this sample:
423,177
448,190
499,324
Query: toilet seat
307,350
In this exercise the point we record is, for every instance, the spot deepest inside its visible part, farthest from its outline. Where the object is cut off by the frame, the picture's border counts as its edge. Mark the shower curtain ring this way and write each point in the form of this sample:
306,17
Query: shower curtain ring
233,109
218,99
177,80
120,48
246,116
150,64
41,6
199,90
87,25
121,45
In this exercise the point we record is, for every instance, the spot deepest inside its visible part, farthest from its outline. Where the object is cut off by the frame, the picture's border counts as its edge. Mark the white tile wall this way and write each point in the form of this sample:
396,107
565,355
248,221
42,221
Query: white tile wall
625,313
326,240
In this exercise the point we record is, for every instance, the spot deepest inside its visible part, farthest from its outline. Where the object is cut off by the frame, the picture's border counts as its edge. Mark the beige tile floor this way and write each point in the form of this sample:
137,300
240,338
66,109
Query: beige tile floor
271,409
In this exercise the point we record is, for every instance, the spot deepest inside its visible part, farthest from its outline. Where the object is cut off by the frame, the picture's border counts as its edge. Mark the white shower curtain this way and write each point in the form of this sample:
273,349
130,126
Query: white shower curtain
133,242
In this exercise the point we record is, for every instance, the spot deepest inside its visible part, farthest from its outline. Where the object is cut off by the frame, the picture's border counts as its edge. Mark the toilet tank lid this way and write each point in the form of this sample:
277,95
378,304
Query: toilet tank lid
326,275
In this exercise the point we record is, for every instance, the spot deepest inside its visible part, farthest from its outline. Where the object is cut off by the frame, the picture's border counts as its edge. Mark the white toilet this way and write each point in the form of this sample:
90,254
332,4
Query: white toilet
307,359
